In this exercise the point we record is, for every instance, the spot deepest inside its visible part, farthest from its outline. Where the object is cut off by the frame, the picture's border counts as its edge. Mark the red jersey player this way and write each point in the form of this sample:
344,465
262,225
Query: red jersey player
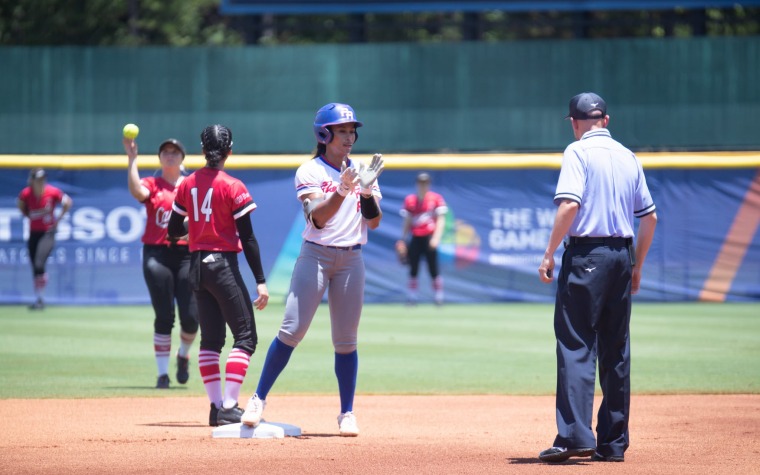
38,202
166,262
218,207
424,216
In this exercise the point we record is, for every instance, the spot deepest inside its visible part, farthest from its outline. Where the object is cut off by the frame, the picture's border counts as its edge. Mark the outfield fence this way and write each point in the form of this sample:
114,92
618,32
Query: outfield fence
501,213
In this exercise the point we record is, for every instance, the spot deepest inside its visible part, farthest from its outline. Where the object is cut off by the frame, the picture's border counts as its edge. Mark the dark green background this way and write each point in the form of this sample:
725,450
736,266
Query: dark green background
697,94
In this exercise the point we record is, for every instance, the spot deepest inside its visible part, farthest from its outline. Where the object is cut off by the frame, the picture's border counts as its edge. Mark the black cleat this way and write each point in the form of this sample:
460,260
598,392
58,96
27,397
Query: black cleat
182,374
597,457
229,416
561,454
212,416
39,304
163,382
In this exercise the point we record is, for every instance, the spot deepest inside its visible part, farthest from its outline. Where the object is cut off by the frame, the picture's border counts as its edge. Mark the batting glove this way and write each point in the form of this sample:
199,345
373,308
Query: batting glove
368,174
348,179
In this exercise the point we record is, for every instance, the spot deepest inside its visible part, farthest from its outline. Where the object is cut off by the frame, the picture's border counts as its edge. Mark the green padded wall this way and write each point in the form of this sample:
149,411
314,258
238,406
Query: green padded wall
673,94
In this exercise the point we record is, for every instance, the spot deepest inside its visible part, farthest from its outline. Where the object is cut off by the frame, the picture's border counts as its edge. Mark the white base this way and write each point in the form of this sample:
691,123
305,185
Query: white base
265,430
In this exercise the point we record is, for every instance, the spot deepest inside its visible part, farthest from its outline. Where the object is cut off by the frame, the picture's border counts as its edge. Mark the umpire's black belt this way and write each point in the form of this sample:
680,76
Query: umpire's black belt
603,241
342,248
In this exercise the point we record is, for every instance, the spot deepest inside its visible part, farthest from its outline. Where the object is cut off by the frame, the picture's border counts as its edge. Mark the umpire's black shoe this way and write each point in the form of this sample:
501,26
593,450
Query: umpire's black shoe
182,374
212,416
229,416
561,454
597,457
163,382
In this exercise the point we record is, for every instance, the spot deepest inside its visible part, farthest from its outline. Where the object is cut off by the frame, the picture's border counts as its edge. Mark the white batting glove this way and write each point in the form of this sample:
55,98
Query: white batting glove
368,174
348,179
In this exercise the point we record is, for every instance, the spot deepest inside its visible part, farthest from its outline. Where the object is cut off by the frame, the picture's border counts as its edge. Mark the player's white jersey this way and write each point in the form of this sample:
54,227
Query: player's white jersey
347,227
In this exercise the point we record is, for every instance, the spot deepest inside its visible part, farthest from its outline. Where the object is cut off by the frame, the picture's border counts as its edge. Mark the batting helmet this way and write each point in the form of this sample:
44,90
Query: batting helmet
332,114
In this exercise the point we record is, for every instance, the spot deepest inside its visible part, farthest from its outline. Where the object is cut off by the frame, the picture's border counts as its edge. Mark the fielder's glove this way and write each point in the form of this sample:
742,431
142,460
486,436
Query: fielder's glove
402,252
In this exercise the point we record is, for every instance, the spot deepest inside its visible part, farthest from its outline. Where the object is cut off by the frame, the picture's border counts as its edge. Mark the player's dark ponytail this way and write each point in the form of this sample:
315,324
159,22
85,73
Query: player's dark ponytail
217,144
320,151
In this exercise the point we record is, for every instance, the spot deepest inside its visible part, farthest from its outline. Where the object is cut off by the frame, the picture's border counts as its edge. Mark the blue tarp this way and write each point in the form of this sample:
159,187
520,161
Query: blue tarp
497,229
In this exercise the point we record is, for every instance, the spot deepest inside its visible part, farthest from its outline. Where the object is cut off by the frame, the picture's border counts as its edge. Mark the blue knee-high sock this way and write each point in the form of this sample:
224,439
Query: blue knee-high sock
276,360
346,368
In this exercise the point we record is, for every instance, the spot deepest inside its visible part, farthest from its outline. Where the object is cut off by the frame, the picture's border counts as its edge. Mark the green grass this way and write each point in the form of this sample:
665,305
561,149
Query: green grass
80,352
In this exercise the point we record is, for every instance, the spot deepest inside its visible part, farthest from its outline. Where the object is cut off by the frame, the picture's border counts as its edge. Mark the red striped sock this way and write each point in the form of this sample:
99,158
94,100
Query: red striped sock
237,367
208,364
411,290
162,347
185,341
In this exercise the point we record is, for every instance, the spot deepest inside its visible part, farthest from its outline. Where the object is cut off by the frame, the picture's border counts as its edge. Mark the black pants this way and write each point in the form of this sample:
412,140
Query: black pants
166,270
591,321
40,246
223,300
418,247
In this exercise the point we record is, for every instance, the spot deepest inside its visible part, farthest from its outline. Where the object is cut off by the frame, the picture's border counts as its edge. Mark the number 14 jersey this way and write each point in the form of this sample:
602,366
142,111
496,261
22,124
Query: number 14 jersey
212,200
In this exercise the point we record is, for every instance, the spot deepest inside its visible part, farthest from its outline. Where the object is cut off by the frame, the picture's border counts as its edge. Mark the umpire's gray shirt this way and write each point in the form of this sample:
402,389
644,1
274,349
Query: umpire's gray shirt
608,182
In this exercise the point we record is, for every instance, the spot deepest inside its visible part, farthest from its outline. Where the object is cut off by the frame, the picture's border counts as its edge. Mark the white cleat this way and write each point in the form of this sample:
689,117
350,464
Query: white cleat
253,410
347,424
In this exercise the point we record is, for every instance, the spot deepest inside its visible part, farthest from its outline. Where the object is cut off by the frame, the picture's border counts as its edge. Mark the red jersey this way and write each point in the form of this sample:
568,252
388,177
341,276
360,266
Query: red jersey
40,210
212,201
424,213
159,208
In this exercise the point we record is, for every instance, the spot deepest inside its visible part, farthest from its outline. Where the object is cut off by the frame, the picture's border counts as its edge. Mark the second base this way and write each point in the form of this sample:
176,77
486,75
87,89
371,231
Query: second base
265,430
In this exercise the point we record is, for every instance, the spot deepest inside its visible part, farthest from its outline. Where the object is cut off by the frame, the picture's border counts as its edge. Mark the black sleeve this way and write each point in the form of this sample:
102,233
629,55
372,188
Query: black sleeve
176,226
250,247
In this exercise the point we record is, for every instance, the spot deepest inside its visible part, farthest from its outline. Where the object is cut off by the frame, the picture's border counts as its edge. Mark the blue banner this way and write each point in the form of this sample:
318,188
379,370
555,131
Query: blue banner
705,246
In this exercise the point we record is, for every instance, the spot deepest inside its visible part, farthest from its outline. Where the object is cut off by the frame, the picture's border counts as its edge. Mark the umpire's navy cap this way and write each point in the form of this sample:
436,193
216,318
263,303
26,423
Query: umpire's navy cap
587,105
174,142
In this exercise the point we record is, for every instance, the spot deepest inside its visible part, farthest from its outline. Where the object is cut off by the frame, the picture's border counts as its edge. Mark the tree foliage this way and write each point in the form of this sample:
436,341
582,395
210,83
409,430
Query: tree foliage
198,22
114,22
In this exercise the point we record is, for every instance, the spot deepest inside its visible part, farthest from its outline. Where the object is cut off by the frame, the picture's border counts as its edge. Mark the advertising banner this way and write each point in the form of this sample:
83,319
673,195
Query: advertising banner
706,246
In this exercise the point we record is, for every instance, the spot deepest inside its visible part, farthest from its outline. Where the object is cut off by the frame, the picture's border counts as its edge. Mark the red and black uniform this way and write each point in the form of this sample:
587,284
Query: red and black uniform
423,214
166,262
219,227
42,225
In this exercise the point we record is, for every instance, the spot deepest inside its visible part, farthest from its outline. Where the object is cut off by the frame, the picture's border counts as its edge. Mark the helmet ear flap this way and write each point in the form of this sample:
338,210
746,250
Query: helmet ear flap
324,135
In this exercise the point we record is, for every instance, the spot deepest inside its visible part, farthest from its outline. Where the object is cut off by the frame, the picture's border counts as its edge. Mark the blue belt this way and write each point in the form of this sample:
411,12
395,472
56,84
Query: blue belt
342,248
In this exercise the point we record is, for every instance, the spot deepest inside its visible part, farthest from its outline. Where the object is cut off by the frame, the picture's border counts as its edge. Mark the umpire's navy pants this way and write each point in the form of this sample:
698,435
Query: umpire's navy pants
591,321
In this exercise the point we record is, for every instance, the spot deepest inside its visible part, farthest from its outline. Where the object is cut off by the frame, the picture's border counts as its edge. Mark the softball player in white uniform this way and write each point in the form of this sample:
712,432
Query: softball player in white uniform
340,199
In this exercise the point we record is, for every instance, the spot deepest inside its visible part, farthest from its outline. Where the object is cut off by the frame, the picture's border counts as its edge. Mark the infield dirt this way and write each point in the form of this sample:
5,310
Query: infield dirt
711,434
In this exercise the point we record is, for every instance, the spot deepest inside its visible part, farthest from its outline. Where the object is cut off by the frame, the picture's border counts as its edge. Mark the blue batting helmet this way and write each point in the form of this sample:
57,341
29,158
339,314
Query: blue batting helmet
332,114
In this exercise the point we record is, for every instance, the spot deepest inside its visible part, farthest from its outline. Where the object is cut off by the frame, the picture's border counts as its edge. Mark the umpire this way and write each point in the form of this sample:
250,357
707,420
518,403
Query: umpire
601,188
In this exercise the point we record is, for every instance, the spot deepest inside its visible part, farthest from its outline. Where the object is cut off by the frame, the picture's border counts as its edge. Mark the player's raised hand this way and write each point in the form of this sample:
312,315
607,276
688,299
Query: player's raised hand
368,174
130,146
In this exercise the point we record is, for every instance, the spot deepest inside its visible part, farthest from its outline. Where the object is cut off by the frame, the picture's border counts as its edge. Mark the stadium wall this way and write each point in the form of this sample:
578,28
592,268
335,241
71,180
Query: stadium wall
706,247
663,94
